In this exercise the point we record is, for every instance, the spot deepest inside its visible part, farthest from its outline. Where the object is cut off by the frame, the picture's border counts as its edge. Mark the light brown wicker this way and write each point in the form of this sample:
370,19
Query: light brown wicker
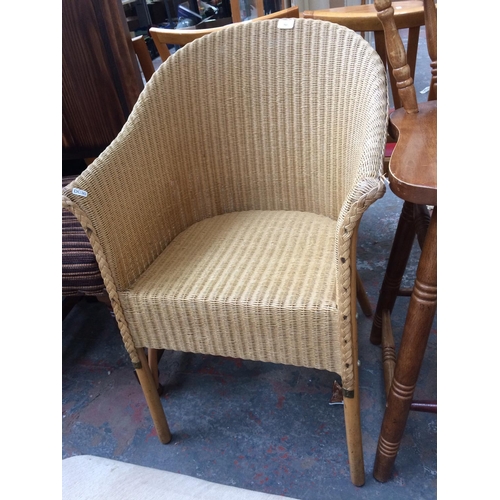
224,215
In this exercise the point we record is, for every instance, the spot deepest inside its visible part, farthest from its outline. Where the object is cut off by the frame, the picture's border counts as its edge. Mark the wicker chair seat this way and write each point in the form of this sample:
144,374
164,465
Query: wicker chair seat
216,290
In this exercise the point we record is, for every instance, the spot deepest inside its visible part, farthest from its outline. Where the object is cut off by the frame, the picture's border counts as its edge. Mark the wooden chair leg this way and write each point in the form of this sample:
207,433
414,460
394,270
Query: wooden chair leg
354,441
153,365
419,319
362,297
421,218
152,399
352,414
398,259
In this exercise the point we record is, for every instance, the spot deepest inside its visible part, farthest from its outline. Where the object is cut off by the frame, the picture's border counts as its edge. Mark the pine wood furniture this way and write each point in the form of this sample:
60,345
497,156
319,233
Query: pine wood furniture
413,177
163,37
230,228
143,56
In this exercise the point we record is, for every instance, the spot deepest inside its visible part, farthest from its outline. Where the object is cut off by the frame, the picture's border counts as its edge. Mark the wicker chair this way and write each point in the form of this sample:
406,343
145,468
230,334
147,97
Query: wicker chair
228,226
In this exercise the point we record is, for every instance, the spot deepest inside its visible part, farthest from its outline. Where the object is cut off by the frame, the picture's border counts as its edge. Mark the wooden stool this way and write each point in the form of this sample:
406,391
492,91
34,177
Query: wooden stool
413,178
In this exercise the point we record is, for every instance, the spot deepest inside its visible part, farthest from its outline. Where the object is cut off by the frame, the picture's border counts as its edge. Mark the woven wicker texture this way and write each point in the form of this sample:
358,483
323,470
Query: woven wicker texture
282,130
220,290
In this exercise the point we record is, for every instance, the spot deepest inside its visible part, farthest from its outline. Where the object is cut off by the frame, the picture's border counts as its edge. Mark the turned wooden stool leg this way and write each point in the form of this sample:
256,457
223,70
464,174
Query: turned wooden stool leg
152,399
421,218
362,297
398,259
418,324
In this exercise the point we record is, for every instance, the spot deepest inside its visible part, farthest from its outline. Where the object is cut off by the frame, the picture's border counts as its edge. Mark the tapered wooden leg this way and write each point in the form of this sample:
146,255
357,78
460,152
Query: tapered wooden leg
362,297
352,415
419,319
354,440
153,365
152,399
398,259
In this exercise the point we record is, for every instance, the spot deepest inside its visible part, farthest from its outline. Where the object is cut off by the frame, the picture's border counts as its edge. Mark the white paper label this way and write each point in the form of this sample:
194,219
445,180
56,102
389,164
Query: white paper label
79,192
286,24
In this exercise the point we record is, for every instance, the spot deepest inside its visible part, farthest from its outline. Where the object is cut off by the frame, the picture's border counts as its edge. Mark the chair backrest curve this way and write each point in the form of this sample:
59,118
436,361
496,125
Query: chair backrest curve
252,117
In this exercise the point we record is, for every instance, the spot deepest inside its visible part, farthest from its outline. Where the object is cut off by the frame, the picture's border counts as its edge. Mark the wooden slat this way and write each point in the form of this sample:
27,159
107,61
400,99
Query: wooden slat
162,36
144,57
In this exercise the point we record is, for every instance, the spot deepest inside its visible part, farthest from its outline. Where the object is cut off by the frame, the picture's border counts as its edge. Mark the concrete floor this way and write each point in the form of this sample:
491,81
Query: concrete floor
259,426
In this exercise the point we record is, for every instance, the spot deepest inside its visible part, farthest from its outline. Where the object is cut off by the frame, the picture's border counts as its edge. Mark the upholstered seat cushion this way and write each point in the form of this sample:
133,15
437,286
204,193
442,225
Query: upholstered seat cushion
255,285
87,477
80,272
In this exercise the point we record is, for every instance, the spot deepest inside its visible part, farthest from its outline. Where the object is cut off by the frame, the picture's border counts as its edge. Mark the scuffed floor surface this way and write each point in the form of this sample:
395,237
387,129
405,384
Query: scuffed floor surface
258,426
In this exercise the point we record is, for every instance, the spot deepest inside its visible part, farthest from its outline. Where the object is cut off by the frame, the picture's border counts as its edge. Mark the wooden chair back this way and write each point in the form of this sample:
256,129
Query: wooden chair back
408,14
163,37
412,175
143,56
430,11
397,56
412,170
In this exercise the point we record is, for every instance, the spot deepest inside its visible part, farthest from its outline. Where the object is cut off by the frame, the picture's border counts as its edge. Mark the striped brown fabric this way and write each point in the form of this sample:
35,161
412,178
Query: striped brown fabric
80,272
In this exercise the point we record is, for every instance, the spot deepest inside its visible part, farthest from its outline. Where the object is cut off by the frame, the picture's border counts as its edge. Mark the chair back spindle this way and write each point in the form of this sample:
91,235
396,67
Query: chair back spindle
397,56
430,13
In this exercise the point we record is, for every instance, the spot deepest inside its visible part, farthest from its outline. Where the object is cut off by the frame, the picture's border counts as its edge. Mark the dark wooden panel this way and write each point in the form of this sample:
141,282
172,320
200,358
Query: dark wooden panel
100,76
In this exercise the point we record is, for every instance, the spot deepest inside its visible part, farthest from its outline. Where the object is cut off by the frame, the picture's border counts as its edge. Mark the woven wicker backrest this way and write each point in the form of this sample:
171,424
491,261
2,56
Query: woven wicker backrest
252,117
